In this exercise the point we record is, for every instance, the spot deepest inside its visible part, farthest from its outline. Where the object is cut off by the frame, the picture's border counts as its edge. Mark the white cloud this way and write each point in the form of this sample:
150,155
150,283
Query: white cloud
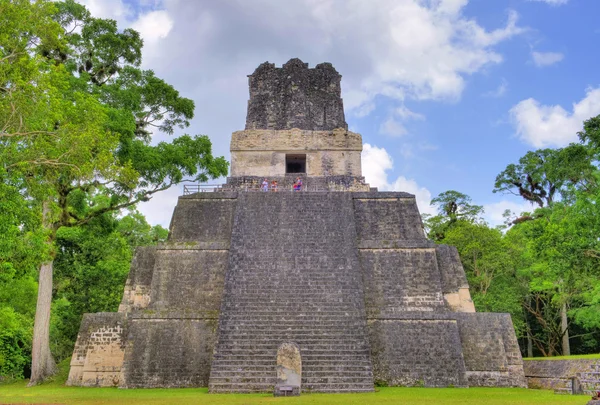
408,48
398,49
407,114
552,2
499,91
153,26
393,127
551,125
113,9
542,59
493,211
377,162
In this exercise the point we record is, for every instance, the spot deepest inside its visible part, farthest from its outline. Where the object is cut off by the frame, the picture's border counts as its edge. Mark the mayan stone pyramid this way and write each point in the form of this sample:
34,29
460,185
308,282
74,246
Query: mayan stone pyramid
338,270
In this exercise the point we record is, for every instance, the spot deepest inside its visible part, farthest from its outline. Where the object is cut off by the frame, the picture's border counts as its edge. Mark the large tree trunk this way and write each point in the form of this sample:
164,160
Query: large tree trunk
529,341
564,327
42,362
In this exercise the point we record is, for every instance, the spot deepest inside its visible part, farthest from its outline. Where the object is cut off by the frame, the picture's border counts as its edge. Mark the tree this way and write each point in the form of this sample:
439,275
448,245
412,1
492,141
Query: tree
21,252
91,266
452,206
539,177
491,262
76,128
543,173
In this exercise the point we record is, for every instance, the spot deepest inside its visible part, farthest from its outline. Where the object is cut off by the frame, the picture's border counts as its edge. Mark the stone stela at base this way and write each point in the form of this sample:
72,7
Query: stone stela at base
338,269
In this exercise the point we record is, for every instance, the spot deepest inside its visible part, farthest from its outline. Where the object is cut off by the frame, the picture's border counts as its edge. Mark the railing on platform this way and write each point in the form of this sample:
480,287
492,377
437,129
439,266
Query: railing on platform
201,188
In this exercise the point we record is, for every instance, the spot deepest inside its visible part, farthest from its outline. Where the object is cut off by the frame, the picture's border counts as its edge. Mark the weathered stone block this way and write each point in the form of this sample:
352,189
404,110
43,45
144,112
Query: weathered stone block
417,352
99,350
295,96
169,353
490,349
137,288
289,366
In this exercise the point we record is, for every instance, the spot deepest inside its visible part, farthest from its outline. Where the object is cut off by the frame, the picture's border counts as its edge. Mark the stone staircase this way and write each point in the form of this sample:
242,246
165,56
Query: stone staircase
587,382
285,284
590,380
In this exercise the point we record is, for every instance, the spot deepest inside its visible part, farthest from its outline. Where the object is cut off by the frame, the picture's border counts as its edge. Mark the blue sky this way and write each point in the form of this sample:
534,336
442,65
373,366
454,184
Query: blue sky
445,93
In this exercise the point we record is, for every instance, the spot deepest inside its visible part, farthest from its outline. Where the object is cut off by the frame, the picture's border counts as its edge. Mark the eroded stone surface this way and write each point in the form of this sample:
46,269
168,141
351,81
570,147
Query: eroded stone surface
558,375
263,152
295,96
289,365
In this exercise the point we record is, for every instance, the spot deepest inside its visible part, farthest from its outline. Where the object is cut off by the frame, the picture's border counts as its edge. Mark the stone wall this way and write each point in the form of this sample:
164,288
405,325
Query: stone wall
490,349
399,265
558,375
137,288
286,183
454,281
263,152
387,217
204,219
169,352
171,342
398,280
188,279
99,350
417,352
295,96
420,313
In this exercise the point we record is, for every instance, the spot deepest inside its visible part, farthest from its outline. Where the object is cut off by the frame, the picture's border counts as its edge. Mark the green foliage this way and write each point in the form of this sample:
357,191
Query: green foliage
491,262
76,118
452,206
22,249
91,267
543,173
15,343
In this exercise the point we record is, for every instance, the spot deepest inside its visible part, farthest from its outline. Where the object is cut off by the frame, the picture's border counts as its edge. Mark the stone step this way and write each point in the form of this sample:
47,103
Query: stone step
306,368
592,375
266,379
308,374
272,353
304,327
282,307
301,320
289,332
255,388
332,359
283,315
278,328
269,361
308,354
233,348
290,314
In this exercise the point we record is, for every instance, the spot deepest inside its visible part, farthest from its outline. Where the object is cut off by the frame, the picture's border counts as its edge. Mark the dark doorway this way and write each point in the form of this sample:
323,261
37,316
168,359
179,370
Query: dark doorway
295,163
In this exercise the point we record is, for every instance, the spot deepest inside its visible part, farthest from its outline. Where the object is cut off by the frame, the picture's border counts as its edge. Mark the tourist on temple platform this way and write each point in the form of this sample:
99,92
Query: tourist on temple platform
298,184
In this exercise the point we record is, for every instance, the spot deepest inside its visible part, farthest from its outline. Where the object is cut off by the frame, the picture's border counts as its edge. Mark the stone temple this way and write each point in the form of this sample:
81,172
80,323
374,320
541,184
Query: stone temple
339,271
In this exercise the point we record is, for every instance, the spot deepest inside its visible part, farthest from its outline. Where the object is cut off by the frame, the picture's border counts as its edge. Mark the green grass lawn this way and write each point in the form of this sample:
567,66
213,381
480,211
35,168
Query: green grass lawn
54,393
574,357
